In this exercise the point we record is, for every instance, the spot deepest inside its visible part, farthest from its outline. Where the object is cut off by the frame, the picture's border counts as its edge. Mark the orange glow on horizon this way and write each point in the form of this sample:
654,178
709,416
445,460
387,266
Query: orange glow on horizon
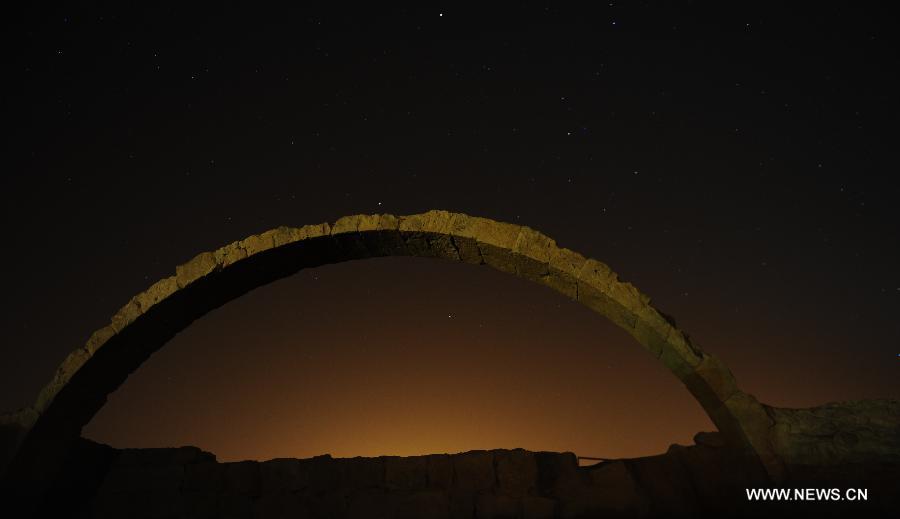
376,358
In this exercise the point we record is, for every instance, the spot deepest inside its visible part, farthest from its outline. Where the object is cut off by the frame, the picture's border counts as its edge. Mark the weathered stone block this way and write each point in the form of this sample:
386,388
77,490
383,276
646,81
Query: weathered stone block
406,473
430,245
499,258
199,266
332,503
325,473
474,471
427,504
242,478
234,506
613,489
314,231
596,274
143,504
362,472
143,478
537,507
204,477
371,503
516,472
534,245
346,224
440,471
284,474
598,301
677,364
561,282
496,506
558,473
284,235
64,373
431,222
99,338
667,484
488,232
349,241
157,292
126,315
467,249
230,254
198,504
649,337
529,268
717,376
462,504
257,243
282,504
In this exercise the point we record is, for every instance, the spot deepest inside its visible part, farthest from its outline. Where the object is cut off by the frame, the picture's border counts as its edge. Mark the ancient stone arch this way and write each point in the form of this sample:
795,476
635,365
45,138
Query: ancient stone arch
81,384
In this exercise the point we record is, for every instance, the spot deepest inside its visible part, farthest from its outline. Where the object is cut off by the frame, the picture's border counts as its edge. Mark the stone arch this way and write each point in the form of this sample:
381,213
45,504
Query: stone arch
84,379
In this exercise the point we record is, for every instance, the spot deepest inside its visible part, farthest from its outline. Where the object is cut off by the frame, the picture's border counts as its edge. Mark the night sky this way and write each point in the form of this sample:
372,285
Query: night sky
737,166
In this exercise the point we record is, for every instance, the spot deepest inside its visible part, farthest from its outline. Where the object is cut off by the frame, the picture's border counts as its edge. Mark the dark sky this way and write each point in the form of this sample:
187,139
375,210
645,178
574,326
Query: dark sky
736,165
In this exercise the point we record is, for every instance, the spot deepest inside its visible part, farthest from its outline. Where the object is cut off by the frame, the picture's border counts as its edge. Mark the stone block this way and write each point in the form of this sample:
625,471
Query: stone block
537,507
474,471
325,473
199,266
406,473
242,478
440,471
427,504
157,292
371,503
516,472
362,472
204,477
613,489
284,475
496,506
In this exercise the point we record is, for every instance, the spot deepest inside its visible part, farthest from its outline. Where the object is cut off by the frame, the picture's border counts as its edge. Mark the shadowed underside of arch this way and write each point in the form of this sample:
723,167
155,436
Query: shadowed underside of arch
81,384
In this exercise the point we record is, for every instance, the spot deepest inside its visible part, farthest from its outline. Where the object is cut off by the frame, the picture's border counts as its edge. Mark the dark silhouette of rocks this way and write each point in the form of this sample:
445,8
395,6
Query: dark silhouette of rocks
702,480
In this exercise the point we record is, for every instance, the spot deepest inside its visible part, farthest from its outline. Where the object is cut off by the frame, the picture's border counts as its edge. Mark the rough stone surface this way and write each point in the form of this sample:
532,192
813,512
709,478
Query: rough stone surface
474,470
405,473
703,480
516,472
837,433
